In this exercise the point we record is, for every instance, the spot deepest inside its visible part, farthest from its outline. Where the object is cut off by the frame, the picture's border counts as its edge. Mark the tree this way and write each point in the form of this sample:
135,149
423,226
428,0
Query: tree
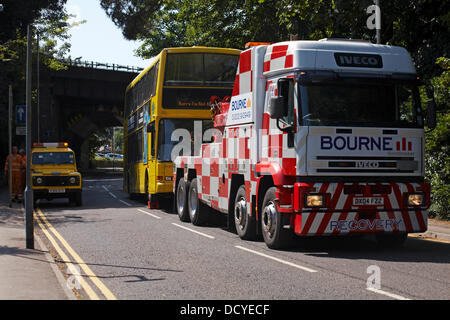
171,23
422,26
17,14
437,157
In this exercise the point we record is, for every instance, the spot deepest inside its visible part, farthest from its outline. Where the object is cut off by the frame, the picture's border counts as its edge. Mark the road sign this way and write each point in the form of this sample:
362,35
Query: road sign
21,115
21,131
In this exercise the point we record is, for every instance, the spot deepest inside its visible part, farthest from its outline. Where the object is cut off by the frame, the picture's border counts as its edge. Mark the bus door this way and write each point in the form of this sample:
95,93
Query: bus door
151,157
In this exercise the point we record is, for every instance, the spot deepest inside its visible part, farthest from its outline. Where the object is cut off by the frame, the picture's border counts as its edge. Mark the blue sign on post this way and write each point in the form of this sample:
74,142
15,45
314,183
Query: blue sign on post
21,115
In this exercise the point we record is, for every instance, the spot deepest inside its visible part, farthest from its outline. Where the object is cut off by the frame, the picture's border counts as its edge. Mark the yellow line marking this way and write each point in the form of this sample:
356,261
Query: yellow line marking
91,293
106,292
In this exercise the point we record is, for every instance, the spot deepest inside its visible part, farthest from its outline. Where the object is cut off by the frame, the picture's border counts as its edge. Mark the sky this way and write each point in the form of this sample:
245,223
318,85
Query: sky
98,39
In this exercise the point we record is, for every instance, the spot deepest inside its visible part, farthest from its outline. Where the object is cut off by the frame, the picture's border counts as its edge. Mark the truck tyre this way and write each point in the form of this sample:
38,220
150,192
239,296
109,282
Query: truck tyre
181,200
245,224
275,236
391,240
76,199
198,212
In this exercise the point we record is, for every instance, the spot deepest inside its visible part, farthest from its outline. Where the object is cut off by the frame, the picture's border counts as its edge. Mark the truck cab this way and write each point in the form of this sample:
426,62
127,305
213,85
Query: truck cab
54,173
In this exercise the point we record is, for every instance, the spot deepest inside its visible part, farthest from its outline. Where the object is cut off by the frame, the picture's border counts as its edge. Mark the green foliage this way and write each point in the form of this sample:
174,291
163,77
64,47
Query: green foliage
105,163
437,149
105,138
421,26
45,16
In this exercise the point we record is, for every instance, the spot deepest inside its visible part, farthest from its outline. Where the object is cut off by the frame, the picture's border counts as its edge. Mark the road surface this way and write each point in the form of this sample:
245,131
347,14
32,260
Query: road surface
115,248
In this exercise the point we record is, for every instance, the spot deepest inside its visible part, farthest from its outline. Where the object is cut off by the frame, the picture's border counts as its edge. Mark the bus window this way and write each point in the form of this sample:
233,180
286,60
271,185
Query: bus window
168,126
200,69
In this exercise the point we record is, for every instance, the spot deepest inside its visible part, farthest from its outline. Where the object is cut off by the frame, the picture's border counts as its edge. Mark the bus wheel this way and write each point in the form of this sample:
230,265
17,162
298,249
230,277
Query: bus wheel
198,212
181,200
245,225
275,236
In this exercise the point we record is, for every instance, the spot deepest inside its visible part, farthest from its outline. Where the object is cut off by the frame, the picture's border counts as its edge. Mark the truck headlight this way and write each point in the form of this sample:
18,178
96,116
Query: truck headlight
415,199
39,180
315,200
72,180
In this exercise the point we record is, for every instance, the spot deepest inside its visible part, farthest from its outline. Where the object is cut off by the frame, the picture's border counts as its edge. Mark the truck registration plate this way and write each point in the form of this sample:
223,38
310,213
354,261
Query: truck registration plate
368,201
56,190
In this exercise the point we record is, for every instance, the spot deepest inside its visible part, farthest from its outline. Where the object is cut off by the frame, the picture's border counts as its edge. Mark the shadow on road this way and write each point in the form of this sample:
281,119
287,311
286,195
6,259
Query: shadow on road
354,248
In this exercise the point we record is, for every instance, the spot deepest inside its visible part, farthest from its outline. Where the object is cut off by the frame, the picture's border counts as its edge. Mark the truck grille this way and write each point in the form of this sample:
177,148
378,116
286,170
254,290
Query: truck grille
372,189
55,181
369,164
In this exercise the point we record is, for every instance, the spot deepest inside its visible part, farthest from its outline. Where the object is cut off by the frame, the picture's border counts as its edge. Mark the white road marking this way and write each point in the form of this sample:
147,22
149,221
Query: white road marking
195,231
126,203
112,195
391,295
148,213
106,189
277,259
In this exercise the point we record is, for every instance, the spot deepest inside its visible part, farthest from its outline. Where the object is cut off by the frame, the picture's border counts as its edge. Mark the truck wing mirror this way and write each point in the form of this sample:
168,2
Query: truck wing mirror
278,107
431,110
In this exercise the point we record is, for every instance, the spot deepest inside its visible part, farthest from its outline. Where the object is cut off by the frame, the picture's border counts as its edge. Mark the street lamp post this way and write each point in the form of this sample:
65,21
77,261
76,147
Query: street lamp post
29,225
38,88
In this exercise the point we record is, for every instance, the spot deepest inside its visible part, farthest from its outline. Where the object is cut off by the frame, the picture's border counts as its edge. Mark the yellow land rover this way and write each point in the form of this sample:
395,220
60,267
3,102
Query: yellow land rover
54,172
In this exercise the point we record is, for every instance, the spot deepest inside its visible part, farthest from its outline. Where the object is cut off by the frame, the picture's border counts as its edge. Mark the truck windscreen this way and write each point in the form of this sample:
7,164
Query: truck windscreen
360,104
42,158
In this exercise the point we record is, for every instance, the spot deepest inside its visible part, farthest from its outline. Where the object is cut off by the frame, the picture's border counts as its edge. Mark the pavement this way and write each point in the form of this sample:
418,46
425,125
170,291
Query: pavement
26,274
32,274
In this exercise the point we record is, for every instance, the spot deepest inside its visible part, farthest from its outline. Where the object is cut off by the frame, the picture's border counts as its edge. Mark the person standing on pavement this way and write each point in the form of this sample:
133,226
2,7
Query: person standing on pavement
23,170
17,164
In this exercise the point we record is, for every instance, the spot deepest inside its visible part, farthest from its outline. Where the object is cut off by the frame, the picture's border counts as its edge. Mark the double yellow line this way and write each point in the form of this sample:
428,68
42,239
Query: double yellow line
48,230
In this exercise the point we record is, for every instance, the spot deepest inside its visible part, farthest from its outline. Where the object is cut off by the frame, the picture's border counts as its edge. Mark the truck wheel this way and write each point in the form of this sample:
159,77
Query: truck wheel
391,240
275,236
198,212
245,225
181,200
78,199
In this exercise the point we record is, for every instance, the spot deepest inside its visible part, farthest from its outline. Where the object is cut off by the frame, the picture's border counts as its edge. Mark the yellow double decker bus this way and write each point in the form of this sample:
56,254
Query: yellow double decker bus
172,93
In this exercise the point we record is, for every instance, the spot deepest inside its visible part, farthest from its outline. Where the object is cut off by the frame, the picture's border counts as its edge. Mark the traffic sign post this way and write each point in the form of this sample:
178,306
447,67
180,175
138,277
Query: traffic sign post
21,115
10,107
21,131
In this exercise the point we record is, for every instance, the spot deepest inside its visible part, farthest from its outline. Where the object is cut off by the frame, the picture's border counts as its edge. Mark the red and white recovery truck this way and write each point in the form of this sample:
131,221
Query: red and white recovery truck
320,138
